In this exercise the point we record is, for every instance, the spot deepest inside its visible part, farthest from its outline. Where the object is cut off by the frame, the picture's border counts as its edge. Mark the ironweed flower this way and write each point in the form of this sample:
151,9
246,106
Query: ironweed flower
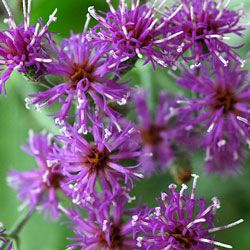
85,69
203,27
3,241
23,46
102,158
156,134
131,32
161,139
181,221
37,188
221,107
105,227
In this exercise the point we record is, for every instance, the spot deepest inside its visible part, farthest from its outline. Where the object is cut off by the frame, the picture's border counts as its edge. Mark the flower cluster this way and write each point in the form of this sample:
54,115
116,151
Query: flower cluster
159,135
131,33
84,68
104,228
222,107
181,221
37,188
25,47
99,151
203,27
85,163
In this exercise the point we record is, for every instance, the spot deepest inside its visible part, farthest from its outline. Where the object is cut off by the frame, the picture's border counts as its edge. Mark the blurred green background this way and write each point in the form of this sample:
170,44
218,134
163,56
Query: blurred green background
38,234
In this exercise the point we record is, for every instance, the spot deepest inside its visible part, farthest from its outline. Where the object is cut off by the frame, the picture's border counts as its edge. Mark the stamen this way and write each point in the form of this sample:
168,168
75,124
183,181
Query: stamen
28,13
25,14
169,37
43,60
104,226
184,187
111,6
242,119
175,12
139,241
139,175
12,22
192,13
227,3
35,34
195,222
52,18
157,211
226,226
138,53
88,18
194,185
216,243
221,143
134,219
211,127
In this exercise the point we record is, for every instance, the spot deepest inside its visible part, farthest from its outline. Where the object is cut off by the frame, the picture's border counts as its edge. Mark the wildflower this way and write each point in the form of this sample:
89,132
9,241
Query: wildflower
203,28
98,159
85,69
3,240
221,108
181,221
23,46
225,159
163,140
156,134
37,188
105,227
131,33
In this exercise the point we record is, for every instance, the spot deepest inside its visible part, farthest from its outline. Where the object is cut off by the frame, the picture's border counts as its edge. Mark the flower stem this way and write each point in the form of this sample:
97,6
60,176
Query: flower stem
14,233
20,224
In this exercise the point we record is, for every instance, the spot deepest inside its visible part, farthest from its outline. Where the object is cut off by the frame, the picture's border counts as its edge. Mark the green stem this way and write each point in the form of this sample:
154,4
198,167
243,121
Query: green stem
20,224
14,233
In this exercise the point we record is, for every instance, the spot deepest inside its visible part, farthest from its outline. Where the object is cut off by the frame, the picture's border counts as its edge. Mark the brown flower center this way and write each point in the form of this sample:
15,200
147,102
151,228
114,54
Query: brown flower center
225,99
81,72
186,241
54,179
151,136
97,160
116,239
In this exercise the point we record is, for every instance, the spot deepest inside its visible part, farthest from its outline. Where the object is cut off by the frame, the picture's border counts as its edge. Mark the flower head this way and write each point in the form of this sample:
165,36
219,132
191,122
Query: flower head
3,240
85,69
131,33
161,139
181,221
156,134
102,158
37,188
221,108
23,46
105,228
203,27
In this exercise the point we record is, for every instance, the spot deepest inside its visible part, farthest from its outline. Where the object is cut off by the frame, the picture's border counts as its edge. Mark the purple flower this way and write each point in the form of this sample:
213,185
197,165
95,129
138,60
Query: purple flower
23,46
201,29
221,108
3,238
225,159
97,157
180,222
131,33
163,139
85,69
37,188
156,134
105,227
